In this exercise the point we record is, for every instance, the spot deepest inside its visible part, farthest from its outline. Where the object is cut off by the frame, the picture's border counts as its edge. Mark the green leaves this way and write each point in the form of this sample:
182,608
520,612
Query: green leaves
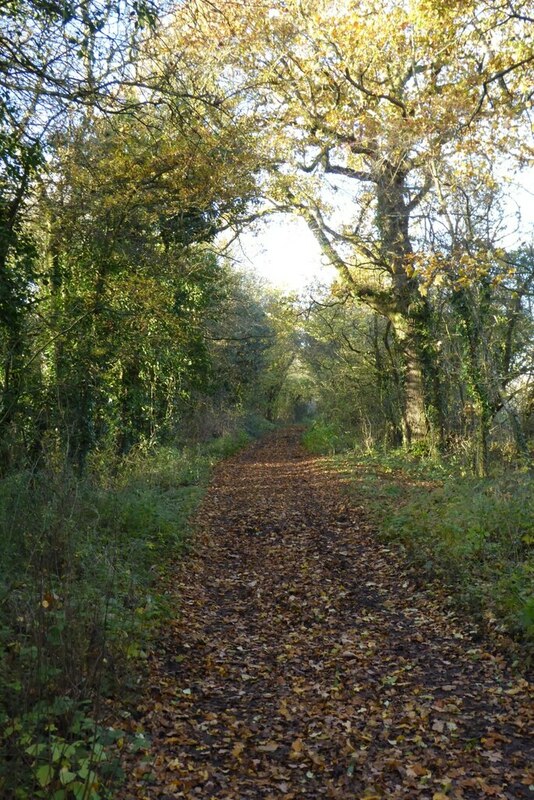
75,768
66,776
44,775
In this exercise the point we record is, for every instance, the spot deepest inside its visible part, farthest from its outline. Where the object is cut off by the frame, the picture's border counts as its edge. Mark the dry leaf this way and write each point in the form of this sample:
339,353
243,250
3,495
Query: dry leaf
268,747
237,749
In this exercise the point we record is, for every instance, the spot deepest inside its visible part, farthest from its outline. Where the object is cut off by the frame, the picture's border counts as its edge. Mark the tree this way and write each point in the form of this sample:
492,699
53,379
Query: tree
379,98
348,350
53,56
128,275
465,271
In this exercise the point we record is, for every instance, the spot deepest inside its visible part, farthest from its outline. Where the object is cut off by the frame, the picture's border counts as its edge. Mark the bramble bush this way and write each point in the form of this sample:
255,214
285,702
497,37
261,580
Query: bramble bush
326,438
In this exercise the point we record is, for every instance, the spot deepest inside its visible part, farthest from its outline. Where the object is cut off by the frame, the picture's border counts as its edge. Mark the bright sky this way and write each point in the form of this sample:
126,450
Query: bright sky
284,251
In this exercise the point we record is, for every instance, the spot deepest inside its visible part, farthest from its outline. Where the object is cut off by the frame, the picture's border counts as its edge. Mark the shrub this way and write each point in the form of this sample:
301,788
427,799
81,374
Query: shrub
226,446
256,425
324,438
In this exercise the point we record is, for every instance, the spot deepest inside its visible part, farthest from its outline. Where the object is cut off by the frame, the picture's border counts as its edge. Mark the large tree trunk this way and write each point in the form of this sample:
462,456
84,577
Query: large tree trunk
392,219
414,394
400,302
388,382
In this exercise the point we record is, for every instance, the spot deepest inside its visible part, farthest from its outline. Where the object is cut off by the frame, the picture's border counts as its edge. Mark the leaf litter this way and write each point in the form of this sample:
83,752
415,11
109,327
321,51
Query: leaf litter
307,662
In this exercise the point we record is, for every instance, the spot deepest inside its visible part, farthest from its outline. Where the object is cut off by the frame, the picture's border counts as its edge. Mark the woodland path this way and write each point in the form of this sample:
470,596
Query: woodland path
307,663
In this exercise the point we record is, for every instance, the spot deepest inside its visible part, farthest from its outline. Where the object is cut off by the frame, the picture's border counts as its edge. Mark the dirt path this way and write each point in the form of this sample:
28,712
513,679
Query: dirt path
306,664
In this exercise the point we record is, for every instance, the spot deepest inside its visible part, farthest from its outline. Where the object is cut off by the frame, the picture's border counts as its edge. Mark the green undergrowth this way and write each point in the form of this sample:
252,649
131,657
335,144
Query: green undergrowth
327,438
79,603
475,535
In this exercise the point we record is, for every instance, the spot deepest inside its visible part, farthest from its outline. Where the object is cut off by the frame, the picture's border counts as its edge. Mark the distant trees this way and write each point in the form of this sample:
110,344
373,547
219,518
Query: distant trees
353,358
483,341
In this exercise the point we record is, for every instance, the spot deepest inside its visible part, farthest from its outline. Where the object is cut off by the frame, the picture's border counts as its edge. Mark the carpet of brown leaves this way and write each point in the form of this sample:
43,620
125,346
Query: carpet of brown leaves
307,664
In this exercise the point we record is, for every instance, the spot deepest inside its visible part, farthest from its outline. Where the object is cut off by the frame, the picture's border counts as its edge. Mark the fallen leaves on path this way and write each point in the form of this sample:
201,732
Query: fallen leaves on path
306,663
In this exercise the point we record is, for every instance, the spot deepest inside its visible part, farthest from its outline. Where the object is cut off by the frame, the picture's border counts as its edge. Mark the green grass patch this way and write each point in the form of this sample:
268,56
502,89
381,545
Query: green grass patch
476,535
324,438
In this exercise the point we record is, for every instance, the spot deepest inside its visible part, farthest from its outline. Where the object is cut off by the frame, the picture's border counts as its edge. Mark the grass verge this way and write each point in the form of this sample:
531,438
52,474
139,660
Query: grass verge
475,535
79,604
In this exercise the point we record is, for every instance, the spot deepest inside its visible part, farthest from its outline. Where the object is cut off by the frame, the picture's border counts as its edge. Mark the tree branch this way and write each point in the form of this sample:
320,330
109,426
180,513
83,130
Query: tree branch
348,172
376,96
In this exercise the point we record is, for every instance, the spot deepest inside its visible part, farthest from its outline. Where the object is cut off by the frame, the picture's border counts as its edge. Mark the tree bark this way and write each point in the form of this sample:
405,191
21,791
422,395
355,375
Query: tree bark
415,413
